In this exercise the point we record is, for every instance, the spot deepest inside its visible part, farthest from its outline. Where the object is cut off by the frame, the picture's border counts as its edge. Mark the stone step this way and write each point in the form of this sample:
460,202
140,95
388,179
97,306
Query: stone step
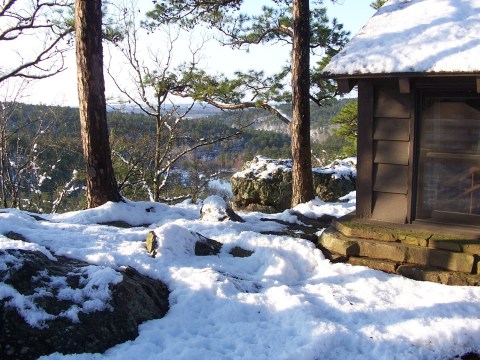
416,272
409,235
399,252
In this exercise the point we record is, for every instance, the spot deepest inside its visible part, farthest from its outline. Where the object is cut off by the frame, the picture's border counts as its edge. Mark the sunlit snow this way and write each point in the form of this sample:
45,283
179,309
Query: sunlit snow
415,36
283,302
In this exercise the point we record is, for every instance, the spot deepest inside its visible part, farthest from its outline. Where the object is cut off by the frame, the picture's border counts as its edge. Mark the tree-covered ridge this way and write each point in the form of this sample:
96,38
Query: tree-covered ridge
154,77
43,167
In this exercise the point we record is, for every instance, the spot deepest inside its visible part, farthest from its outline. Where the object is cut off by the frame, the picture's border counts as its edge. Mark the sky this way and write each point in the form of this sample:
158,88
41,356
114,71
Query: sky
286,301
62,89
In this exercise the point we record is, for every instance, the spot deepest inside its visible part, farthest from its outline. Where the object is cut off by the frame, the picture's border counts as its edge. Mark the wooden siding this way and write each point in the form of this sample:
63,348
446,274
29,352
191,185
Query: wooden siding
390,178
390,207
384,140
391,129
387,148
365,149
389,102
391,152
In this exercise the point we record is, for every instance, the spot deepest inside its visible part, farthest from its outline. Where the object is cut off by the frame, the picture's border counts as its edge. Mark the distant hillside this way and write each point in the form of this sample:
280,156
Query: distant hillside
267,135
195,112
44,161
320,119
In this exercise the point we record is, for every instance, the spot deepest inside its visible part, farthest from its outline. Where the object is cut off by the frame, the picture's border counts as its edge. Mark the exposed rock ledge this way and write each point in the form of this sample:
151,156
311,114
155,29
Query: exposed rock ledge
266,184
64,323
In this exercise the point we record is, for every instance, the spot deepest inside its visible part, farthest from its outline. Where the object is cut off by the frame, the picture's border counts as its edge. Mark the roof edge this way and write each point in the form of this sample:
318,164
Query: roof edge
399,75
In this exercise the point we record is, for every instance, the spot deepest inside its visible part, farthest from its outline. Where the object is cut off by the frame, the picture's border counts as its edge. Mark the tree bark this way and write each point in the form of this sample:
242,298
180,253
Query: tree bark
101,183
158,159
302,177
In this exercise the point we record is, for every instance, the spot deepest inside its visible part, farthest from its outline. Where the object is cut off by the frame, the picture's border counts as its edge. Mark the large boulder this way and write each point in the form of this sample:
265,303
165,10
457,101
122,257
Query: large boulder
63,305
263,184
266,184
335,180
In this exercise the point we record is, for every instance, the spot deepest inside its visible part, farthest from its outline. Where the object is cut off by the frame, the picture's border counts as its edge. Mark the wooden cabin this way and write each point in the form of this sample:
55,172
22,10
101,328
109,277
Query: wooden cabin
416,66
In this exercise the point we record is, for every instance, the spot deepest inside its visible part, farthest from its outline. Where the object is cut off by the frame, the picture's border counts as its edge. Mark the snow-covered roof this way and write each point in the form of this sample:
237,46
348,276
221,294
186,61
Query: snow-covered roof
415,36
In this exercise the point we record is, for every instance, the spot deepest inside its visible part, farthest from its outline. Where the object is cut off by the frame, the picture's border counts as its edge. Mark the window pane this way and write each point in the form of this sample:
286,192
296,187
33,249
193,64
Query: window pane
449,168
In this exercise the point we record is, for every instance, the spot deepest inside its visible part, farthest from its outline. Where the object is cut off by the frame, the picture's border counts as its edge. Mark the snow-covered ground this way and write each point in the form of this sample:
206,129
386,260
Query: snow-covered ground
284,302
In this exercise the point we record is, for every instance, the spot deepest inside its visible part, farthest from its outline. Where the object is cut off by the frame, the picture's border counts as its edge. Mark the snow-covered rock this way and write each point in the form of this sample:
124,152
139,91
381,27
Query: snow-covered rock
214,208
266,184
56,304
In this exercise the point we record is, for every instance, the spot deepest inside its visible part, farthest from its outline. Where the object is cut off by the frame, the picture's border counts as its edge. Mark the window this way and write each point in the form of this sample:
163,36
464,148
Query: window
449,159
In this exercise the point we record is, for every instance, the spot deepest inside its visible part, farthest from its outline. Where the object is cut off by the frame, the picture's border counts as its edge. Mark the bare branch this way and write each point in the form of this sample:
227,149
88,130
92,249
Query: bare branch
242,105
154,80
201,143
41,18
47,54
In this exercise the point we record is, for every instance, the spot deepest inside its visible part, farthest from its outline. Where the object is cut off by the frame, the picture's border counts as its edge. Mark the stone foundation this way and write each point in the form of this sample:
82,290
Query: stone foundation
412,251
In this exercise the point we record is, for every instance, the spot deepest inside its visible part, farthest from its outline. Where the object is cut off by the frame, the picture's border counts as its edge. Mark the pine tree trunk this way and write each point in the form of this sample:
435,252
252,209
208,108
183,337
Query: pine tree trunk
300,128
101,183
158,155
3,164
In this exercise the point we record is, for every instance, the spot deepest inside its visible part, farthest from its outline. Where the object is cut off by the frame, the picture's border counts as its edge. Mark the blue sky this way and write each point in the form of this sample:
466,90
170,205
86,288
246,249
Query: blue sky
352,13
62,89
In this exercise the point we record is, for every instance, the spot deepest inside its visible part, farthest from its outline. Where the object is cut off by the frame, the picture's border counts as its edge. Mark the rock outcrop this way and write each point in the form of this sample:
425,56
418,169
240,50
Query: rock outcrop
335,181
56,304
266,184
263,185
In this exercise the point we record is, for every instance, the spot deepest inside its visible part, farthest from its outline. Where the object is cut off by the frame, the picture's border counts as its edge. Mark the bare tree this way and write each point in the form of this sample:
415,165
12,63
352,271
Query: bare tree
10,170
33,33
154,78
285,21
132,160
28,161
101,183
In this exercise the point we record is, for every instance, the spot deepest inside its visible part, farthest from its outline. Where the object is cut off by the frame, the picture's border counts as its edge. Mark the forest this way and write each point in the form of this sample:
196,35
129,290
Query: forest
151,56
43,167
144,270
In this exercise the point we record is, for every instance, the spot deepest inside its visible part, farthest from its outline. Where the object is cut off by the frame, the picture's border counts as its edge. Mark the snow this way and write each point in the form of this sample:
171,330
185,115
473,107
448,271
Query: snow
214,208
409,36
221,185
262,167
92,295
286,301
317,207
340,168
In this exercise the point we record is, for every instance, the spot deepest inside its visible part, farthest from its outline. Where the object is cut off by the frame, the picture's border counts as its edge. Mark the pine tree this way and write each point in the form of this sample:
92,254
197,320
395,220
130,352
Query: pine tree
307,30
302,177
346,122
101,183
377,4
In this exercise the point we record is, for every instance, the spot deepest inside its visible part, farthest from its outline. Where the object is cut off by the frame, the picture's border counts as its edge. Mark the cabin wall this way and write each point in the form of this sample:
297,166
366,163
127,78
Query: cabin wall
385,147
387,131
